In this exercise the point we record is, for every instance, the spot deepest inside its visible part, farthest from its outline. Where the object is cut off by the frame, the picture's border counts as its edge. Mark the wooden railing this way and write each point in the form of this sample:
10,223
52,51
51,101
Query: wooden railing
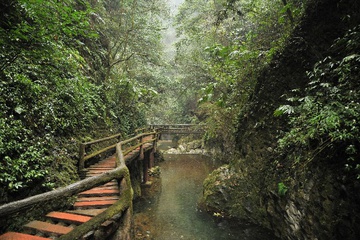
83,157
120,173
125,151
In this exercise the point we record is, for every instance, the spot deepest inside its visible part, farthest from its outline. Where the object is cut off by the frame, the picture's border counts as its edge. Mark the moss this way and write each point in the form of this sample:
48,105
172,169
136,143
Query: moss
259,168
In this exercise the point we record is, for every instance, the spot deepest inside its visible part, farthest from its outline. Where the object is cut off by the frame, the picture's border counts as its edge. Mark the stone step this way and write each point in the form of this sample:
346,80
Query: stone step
68,217
94,204
20,236
47,228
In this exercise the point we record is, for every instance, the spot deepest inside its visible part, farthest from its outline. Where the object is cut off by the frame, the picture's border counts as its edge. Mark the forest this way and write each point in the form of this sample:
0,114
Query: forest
275,83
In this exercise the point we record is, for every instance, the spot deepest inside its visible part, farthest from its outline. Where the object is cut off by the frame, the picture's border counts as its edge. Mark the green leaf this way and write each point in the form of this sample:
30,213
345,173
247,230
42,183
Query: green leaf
284,109
282,189
19,110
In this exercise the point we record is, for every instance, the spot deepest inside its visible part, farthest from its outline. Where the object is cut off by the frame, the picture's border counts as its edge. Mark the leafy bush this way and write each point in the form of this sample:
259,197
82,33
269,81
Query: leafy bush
324,119
44,93
23,159
61,81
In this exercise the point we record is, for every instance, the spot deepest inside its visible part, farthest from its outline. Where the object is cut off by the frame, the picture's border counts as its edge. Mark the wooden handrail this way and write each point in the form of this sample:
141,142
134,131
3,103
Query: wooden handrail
121,208
83,157
67,191
137,137
79,186
99,151
130,149
139,130
82,152
103,139
117,208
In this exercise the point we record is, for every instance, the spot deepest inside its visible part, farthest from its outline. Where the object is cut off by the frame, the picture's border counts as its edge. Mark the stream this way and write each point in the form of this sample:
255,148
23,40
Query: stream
168,209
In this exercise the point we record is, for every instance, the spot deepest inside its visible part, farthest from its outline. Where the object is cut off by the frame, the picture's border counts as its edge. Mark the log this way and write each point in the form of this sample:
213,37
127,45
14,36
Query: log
67,191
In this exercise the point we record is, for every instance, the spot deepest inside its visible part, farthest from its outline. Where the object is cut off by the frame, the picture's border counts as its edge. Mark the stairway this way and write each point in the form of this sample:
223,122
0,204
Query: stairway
88,204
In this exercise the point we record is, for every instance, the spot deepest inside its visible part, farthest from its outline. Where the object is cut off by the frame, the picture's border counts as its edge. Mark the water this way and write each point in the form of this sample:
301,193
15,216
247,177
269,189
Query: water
168,210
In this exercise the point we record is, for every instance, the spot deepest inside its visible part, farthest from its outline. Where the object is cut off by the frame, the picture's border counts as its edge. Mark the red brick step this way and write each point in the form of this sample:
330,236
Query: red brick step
99,192
89,199
94,204
20,236
88,212
89,203
112,183
68,217
47,228
104,164
103,187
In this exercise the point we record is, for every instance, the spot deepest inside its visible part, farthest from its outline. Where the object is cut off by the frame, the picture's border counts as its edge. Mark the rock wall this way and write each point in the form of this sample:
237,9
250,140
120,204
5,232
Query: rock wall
317,201
321,203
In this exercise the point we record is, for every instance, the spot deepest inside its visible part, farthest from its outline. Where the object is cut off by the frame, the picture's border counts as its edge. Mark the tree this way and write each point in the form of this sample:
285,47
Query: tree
68,70
225,44
43,91
324,117
130,33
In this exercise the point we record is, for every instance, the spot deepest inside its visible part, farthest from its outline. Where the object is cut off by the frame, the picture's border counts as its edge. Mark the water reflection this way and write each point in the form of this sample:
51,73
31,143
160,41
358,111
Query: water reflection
172,213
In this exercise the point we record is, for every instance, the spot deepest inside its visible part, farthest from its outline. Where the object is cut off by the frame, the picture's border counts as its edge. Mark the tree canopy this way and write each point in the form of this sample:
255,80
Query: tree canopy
223,46
71,70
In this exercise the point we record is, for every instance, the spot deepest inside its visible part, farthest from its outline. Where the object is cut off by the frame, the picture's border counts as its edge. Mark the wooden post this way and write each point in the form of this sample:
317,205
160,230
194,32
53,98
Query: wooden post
145,172
81,159
156,141
141,156
151,158
144,160
146,168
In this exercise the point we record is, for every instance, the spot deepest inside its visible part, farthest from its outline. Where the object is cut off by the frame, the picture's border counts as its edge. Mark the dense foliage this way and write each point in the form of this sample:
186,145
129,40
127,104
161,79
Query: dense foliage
324,118
43,91
70,70
223,46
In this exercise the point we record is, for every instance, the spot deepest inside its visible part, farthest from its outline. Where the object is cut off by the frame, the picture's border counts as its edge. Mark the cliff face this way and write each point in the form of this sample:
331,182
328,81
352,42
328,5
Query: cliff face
318,201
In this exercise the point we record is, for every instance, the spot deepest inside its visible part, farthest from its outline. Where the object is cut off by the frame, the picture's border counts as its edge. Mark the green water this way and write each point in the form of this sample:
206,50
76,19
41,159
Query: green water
168,210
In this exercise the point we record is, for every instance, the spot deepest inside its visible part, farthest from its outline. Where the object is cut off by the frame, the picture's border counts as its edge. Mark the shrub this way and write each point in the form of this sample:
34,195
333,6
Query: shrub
324,119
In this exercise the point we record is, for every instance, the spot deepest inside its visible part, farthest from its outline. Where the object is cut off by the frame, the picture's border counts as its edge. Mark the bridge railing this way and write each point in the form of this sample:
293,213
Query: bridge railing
139,141
83,156
67,191
121,173
142,130
123,205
